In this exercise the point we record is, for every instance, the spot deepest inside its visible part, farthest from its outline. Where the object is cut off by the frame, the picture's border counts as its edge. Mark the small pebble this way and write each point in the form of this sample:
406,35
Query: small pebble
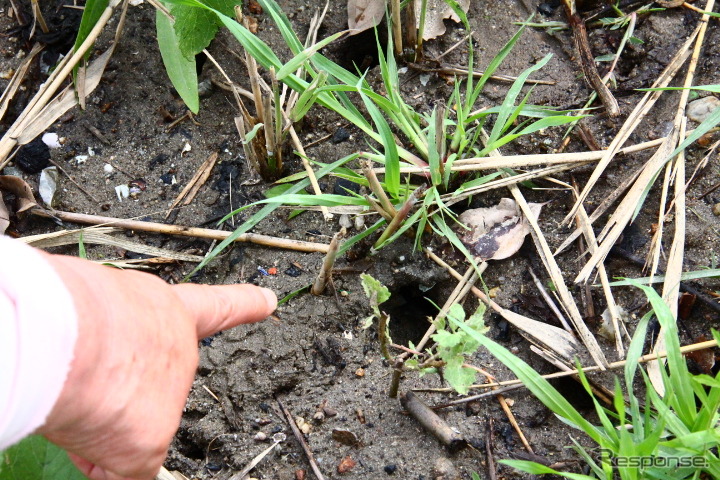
260,437
699,110
390,469
293,271
33,157
340,136
344,221
345,436
445,470
716,209
346,464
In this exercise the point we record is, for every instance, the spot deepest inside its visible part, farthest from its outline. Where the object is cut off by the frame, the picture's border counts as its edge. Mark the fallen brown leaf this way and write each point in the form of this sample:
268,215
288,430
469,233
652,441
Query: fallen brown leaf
364,14
496,232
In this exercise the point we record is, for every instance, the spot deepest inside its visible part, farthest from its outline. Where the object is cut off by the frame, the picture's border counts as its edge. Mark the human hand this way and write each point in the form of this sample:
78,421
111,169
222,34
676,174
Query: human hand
135,360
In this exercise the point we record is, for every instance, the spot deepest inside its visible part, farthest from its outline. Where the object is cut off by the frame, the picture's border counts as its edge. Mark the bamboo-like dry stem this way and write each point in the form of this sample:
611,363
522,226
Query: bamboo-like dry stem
311,173
671,286
400,216
376,206
377,189
326,271
432,423
634,119
183,231
56,79
303,443
396,27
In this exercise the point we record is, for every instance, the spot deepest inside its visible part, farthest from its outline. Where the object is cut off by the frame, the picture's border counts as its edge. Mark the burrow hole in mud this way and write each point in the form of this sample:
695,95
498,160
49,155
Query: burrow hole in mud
358,53
409,308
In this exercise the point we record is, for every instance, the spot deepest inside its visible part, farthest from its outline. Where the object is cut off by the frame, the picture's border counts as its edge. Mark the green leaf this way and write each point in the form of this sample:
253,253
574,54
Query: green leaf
82,253
35,458
539,387
376,292
696,275
445,339
91,14
459,377
196,27
539,469
180,69
251,134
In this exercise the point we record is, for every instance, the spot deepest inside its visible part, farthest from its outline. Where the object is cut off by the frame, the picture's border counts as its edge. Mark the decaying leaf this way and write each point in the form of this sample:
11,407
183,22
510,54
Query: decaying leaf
4,216
497,232
437,12
365,14
21,190
47,186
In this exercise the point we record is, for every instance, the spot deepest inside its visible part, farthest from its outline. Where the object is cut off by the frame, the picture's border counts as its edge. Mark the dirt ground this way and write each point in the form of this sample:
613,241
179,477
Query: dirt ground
314,353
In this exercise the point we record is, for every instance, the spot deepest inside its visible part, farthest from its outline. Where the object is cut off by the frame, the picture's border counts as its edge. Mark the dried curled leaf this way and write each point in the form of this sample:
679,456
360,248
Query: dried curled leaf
24,198
364,14
437,12
497,232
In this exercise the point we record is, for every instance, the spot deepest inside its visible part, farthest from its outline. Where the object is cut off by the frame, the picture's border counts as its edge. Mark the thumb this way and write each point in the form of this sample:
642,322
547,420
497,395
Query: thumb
219,307
92,471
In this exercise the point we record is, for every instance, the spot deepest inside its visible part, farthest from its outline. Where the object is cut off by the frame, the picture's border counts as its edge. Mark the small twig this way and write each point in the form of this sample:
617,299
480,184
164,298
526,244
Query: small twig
593,368
299,436
377,189
397,375
195,184
326,271
98,134
587,61
311,173
80,187
183,231
39,17
513,422
242,474
210,392
489,442
549,301
401,215
453,440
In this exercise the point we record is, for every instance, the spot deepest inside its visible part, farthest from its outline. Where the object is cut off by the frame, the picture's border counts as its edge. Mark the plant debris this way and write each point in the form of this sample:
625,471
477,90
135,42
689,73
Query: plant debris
497,232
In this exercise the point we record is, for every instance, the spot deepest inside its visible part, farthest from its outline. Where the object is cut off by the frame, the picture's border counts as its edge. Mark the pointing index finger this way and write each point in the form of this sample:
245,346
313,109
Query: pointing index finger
219,307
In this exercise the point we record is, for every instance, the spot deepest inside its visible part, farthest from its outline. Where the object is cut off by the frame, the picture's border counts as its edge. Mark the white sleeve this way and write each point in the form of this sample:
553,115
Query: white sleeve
38,330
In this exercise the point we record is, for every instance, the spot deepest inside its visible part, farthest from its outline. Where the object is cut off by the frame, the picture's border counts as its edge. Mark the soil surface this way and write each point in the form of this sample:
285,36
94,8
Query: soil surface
313,355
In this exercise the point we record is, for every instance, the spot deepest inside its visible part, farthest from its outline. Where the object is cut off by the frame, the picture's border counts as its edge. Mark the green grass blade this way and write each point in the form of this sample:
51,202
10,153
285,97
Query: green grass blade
539,387
353,240
387,139
508,104
301,58
264,212
91,14
494,64
181,70
539,469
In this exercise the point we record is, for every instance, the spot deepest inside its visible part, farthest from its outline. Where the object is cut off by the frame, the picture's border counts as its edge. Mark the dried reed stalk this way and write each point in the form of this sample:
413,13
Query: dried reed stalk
184,231
634,119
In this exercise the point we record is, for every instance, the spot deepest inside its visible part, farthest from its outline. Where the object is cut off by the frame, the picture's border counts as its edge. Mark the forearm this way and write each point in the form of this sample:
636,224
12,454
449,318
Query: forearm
38,332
